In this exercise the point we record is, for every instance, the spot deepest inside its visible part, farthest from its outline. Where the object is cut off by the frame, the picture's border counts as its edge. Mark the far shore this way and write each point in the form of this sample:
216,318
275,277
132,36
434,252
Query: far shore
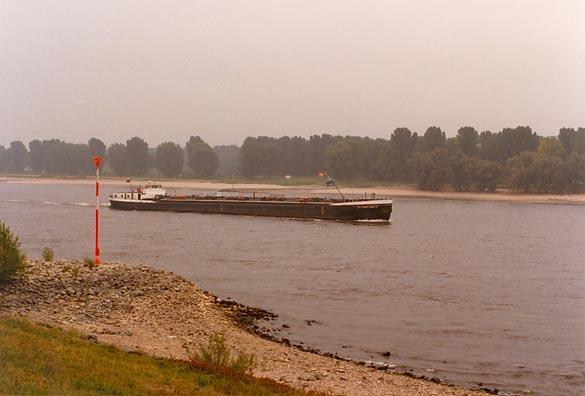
397,191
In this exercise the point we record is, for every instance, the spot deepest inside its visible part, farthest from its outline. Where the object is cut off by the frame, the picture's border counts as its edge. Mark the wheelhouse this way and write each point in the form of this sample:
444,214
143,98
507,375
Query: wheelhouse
149,191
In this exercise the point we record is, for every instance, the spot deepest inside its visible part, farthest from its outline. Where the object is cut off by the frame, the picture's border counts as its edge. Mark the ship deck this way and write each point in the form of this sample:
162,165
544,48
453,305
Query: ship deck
293,207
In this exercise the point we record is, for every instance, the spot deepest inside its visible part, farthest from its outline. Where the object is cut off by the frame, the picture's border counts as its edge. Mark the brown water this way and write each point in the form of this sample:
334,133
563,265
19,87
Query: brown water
470,292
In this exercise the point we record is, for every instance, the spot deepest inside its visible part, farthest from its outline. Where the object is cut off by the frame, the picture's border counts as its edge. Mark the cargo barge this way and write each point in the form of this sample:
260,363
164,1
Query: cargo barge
153,197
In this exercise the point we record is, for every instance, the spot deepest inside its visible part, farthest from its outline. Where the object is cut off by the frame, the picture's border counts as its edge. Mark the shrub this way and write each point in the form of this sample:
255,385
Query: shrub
216,353
48,254
89,262
73,269
12,260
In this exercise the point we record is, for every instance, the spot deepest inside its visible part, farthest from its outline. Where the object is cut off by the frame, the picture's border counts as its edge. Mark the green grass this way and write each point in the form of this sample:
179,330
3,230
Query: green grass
37,360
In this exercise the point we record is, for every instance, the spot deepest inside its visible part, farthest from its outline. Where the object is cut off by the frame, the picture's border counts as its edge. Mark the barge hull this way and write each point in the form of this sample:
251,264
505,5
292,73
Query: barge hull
347,211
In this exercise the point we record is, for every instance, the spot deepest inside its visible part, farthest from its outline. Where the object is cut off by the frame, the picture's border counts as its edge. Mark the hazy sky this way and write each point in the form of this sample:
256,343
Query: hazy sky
165,70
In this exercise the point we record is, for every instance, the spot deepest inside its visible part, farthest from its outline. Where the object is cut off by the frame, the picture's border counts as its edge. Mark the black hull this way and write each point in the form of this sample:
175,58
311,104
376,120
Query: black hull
303,210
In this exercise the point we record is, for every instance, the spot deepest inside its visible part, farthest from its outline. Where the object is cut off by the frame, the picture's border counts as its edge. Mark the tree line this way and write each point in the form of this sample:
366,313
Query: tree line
516,158
133,158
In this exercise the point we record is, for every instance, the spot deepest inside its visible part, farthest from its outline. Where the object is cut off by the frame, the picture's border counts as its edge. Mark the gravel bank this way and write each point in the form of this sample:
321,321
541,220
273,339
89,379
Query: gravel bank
160,313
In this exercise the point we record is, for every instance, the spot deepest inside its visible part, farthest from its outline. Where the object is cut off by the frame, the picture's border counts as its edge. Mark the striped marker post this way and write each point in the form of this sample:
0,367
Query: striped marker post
97,160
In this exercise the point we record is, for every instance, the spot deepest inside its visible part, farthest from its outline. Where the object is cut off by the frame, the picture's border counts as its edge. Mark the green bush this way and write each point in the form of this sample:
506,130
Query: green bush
89,262
48,254
216,353
12,260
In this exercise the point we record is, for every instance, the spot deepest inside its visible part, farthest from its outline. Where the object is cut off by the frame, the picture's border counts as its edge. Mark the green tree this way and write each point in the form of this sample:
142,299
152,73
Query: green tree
139,159
463,171
228,160
37,156
491,146
377,159
317,146
468,141
574,171
169,159
260,156
286,161
83,163
517,140
432,169
551,146
452,146
294,155
57,156
567,137
487,175
201,158
403,141
118,159
17,157
97,148
62,158
250,159
4,160
519,171
339,160
343,160
434,138
396,157
572,140
579,145
12,260
548,174
299,149
507,143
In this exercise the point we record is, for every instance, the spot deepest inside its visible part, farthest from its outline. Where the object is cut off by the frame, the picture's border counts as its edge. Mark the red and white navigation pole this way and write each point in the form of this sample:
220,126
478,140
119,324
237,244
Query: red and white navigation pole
97,160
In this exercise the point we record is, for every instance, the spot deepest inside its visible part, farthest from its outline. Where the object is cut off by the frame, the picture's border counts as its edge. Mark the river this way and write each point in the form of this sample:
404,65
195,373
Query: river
470,292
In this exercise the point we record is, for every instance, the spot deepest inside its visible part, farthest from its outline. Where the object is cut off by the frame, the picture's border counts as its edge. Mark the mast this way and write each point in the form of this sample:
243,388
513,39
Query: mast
331,182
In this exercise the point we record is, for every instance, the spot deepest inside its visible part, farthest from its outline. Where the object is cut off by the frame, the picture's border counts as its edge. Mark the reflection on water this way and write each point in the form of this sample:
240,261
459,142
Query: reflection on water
476,291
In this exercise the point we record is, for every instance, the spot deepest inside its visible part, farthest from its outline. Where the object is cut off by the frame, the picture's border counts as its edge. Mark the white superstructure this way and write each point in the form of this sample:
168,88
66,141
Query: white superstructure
150,191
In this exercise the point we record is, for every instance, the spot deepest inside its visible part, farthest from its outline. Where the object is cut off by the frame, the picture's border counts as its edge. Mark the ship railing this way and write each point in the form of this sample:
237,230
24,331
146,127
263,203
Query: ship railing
261,196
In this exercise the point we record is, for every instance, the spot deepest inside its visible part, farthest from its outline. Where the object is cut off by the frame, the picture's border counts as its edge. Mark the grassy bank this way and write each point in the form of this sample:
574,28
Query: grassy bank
41,360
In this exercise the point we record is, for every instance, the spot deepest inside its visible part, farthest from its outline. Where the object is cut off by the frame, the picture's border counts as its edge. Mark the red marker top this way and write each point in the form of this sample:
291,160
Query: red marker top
97,160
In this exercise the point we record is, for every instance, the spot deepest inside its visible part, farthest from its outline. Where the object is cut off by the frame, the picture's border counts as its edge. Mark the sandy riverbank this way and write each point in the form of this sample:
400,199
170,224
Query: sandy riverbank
157,312
392,191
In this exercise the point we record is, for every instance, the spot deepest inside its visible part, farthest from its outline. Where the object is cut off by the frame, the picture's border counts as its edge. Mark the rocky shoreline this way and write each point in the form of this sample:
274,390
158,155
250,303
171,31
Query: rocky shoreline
157,312
247,318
